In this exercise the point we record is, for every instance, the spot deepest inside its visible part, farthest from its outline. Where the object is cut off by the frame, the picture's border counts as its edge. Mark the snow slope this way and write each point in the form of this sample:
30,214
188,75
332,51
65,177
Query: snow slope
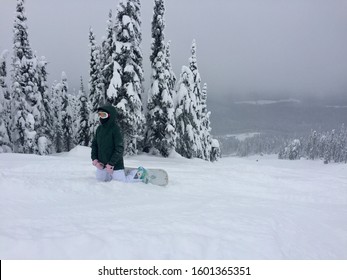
238,208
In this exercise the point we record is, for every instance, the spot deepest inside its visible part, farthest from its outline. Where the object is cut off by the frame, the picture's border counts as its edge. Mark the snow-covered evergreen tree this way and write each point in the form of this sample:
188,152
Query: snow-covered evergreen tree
329,147
193,66
203,102
312,146
192,118
5,110
75,108
83,135
158,26
126,89
95,92
5,90
197,92
161,123
66,116
107,56
185,113
57,117
322,144
5,143
215,153
205,129
169,73
292,151
26,98
295,149
45,128
96,86
115,84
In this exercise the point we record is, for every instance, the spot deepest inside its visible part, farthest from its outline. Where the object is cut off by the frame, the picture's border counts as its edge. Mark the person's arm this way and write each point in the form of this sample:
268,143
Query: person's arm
94,154
118,147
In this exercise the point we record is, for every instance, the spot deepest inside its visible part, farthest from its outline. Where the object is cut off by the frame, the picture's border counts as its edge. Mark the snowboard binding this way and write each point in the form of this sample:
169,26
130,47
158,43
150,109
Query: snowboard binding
142,174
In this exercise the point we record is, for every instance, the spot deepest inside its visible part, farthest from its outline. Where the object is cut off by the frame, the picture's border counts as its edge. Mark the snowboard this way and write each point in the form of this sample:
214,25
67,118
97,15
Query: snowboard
155,176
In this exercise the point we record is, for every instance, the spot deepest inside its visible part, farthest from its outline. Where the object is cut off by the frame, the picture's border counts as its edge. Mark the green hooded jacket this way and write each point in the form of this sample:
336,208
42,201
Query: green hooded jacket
107,145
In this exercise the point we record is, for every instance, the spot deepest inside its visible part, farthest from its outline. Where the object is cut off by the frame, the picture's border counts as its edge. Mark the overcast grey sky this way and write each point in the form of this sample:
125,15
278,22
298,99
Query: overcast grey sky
247,48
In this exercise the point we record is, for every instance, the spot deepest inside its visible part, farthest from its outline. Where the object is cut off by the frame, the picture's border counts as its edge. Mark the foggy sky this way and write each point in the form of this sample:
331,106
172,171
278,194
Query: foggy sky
246,48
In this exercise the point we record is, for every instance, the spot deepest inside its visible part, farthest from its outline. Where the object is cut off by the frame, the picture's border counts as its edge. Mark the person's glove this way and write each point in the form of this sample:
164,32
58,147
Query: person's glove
98,164
109,168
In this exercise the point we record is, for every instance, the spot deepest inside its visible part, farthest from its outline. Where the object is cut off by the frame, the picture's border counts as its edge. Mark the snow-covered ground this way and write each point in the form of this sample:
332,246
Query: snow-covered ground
238,208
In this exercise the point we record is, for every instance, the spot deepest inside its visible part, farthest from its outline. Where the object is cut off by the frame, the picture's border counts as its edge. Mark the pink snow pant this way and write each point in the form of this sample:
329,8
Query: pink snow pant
117,175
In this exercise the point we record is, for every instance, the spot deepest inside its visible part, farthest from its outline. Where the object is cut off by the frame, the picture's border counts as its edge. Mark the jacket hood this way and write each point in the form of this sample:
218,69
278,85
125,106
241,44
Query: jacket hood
111,110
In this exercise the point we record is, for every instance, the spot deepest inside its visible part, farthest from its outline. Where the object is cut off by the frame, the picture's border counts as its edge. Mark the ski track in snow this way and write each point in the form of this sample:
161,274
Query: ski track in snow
238,208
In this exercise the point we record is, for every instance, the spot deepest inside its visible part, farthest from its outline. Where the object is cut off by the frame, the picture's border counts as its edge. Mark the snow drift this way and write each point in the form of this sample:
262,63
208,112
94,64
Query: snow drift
237,208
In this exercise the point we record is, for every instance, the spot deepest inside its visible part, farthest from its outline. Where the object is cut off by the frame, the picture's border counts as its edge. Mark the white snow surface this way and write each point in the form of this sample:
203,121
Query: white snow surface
237,208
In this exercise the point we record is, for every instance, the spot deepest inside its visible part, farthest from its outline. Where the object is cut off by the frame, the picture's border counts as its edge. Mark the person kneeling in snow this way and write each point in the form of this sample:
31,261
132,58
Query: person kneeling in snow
108,148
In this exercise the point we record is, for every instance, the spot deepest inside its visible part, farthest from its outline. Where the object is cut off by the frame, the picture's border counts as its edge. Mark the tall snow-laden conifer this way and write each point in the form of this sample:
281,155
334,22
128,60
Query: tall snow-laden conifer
5,143
6,92
205,130
161,124
26,98
45,129
193,124
66,115
107,55
193,66
110,68
185,113
129,90
95,92
169,73
96,87
75,108
312,146
83,136
57,117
